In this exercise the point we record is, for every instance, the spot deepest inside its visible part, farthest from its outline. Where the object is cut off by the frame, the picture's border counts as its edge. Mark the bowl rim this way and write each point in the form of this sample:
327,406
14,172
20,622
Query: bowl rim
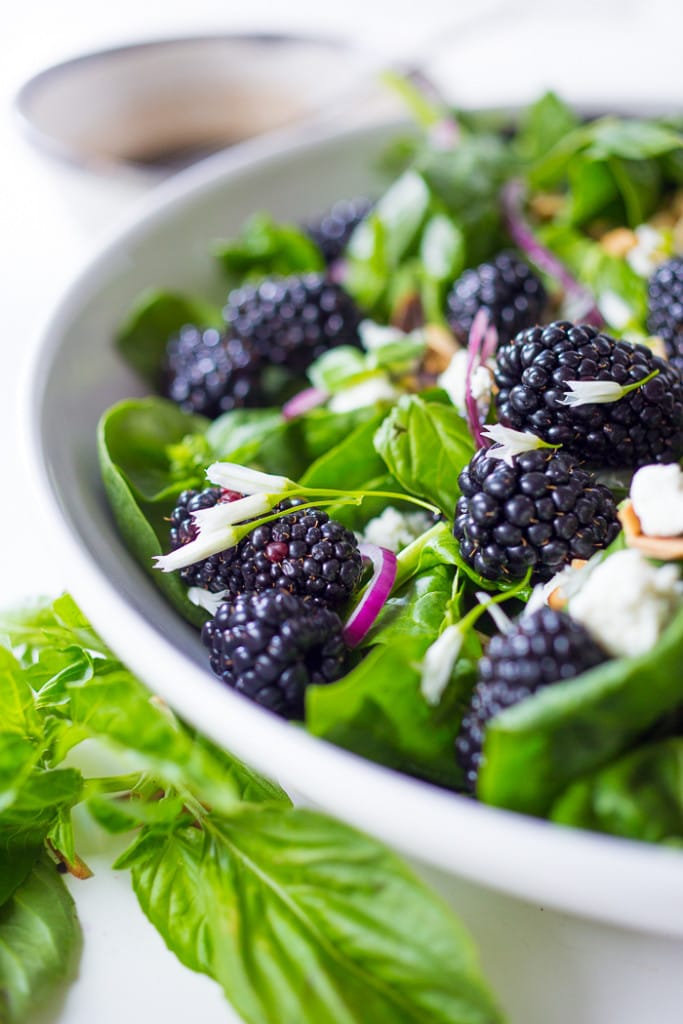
53,145
619,881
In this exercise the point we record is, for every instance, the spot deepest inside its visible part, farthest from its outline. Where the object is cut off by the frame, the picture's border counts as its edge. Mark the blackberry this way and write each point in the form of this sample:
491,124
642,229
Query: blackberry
506,288
304,552
272,646
541,648
665,308
290,321
331,232
541,512
644,426
209,372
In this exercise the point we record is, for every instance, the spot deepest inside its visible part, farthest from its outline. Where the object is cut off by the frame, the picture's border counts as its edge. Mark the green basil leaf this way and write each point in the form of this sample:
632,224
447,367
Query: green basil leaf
47,626
264,248
16,863
425,446
117,709
301,918
534,750
638,796
37,803
40,943
156,317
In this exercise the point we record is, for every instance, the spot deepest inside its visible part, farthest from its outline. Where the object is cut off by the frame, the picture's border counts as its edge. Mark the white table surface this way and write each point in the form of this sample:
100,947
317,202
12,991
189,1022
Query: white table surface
603,48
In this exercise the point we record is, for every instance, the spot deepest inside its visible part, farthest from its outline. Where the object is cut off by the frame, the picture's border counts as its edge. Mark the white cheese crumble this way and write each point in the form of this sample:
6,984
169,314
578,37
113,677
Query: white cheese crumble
375,389
454,378
395,530
649,251
627,602
657,497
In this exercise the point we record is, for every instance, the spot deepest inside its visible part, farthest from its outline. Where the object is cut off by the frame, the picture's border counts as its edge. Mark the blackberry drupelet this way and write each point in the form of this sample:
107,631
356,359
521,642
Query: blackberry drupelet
331,232
541,648
272,646
541,512
303,552
208,372
665,308
290,321
644,426
506,288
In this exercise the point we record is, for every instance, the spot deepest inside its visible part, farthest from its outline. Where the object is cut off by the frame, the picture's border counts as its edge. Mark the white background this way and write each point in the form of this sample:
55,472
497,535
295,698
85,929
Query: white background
610,50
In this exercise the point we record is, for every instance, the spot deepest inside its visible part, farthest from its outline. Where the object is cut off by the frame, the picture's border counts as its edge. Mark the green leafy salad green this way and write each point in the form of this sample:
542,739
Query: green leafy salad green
295,915
386,433
595,192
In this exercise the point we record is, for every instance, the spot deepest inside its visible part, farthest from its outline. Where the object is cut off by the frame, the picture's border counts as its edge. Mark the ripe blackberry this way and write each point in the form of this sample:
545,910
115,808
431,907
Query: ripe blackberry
208,373
506,288
290,321
304,552
644,426
541,512
331,232
272,646
665,308
541,648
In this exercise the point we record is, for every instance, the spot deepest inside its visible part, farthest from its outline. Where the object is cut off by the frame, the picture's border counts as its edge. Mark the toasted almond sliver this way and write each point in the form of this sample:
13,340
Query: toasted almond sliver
667,549
619,241
557,600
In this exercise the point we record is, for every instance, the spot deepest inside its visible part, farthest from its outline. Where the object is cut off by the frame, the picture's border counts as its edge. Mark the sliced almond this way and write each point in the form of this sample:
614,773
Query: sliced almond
619,241
441,347
557,600
546,205
666,549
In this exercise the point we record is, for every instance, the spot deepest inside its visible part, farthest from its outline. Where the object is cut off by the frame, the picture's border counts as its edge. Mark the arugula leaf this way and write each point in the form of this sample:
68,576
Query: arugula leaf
154,319
301,918
425,446
40,942
638,796
265,247
534,750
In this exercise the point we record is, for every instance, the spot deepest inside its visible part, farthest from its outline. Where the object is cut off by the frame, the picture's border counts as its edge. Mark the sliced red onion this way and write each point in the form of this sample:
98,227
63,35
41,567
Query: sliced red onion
376,592
304,401
523,236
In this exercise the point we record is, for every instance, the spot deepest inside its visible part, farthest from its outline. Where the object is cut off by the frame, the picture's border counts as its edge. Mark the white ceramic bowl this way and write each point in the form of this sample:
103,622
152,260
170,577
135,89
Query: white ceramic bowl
76,375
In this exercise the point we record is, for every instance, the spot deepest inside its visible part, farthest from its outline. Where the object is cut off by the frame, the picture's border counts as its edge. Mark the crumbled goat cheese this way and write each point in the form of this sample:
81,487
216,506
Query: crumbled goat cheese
627,602
395,530
454,378
649,252
375,389
657,497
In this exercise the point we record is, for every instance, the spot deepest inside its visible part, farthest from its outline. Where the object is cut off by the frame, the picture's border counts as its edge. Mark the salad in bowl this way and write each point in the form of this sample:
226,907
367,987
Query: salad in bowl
416,480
